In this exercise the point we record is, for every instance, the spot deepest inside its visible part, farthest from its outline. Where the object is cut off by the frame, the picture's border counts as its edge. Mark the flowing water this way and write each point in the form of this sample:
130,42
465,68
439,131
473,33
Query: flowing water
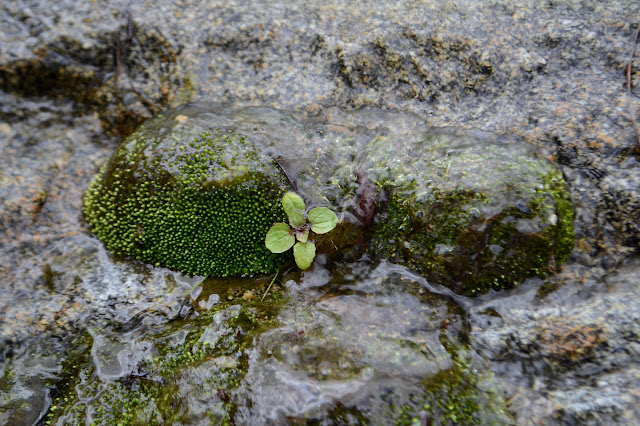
358,338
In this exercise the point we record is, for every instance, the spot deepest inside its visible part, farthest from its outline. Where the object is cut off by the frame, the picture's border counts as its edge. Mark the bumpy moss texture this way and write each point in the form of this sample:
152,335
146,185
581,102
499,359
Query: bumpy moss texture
476,216
196,201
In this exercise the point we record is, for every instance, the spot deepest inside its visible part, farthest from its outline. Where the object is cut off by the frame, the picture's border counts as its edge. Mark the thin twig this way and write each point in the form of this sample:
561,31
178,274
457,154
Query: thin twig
195,285
632,108
144,99
118,68
554,267
269,288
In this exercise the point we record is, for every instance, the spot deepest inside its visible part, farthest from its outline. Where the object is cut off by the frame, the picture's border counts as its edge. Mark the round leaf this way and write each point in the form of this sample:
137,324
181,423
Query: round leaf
304,254
294,207
322,220
279,238
296,218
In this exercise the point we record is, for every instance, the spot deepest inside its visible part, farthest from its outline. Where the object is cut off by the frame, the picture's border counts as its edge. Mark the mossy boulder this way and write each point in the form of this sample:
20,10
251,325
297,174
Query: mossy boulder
197,189
193,199
474,215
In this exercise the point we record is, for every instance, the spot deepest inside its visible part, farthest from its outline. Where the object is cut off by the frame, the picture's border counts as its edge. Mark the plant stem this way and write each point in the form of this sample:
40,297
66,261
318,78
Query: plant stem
269,288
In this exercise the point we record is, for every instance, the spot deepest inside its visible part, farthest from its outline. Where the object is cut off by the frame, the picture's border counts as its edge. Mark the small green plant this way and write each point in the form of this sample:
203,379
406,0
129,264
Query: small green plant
281,237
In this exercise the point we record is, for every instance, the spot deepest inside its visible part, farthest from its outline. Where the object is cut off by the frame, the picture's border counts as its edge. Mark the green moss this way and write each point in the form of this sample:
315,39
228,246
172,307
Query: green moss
198,205
478,221
168,387
76,368
456,395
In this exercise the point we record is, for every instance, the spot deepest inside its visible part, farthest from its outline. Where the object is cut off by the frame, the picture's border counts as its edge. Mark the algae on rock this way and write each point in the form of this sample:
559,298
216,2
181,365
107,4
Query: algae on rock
184,373
467,210
195,200
298,356
366,345
473,215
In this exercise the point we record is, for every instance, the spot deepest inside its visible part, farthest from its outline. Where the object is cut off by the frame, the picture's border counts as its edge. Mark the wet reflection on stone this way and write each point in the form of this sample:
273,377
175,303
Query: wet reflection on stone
371,344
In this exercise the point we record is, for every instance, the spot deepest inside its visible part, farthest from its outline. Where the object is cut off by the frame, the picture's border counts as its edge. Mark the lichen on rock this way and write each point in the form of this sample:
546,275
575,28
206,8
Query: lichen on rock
192,199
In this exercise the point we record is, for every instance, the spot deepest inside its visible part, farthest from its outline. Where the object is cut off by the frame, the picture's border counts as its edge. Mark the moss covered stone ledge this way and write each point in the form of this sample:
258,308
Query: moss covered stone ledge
197,188
472,213
193,199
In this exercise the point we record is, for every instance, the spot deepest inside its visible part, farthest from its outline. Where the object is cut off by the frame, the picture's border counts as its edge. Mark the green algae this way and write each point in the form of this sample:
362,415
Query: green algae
478,218
453,396
379,336
198,204
372,347
194,365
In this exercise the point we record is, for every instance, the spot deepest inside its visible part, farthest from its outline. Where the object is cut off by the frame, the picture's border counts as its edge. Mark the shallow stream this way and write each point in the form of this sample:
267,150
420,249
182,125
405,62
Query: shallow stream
362,337
92,338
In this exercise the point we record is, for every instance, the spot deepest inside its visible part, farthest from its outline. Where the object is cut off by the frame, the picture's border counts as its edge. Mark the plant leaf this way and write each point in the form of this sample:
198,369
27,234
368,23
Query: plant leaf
322,220
303,235
304,254
279,238
294,207
296,218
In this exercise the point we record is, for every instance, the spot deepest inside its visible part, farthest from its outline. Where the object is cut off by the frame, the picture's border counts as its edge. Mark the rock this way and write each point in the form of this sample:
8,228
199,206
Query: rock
579,345
196,200
123,71
387,348
411,362
471,213
142,375
552,73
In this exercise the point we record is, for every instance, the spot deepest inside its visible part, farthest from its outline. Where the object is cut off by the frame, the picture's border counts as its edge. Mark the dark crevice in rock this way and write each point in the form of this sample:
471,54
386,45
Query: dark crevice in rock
112,77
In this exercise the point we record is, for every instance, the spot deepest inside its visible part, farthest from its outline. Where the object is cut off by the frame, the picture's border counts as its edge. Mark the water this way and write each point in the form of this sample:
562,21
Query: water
89,337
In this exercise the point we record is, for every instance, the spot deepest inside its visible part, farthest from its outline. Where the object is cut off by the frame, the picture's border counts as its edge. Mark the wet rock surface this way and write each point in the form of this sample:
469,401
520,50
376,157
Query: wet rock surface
364,345
583,333
74,74
472,213
198,200
338,348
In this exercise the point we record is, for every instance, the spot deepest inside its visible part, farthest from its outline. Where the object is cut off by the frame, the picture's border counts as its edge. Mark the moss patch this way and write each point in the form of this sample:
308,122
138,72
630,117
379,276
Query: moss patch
479,219
196,364
200,205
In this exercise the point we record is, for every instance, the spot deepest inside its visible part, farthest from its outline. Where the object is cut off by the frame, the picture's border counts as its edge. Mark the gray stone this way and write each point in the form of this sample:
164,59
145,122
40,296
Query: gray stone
553,73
